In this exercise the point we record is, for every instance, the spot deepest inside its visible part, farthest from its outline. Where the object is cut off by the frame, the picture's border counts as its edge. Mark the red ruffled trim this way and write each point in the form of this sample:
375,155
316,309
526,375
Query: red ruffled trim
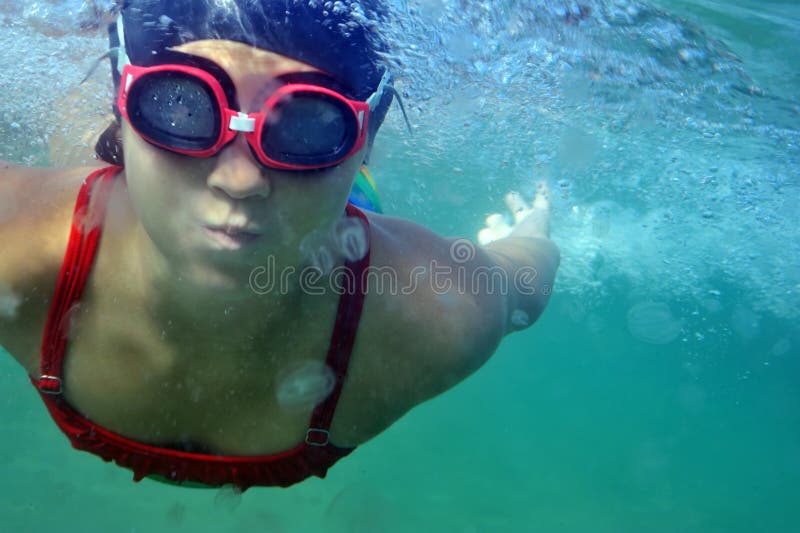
281,469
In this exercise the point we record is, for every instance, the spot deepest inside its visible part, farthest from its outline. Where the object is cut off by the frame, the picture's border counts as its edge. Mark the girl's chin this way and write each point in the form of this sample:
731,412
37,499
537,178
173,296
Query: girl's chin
218,280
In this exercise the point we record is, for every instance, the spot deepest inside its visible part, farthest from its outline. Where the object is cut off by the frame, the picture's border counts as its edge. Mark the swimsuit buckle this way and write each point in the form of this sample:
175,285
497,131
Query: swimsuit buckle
50,384
317,437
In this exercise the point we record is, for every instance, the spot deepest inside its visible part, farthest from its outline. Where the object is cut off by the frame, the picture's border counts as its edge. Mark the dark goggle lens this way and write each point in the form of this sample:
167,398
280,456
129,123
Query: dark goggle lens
309,129
176,110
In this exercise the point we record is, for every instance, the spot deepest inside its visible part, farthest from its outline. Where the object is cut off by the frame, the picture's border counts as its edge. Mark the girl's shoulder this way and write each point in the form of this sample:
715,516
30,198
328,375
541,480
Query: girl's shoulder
36,210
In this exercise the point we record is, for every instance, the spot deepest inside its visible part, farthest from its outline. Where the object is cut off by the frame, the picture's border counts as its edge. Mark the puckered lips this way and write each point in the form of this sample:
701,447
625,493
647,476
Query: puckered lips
232,237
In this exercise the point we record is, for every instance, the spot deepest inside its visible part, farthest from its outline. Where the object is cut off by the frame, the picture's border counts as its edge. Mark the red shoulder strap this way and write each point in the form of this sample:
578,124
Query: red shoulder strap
343,337
87,227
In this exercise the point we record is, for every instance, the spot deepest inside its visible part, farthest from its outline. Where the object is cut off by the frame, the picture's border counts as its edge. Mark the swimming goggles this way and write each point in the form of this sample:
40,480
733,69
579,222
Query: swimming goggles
190,108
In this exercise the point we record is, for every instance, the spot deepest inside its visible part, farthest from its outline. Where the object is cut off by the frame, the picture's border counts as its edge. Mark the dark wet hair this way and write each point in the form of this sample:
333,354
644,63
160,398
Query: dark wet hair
342,38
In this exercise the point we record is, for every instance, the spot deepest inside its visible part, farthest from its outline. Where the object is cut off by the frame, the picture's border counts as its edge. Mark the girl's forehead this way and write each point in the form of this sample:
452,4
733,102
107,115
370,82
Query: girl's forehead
239,59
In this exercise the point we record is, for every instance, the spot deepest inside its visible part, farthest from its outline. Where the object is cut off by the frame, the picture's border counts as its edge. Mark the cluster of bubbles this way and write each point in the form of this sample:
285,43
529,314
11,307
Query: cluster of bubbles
653,322
46,48
673,169
304,385
348,239
61,17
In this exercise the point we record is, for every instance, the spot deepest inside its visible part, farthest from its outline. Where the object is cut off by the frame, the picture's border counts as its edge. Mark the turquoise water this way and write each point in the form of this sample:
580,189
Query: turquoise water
670,134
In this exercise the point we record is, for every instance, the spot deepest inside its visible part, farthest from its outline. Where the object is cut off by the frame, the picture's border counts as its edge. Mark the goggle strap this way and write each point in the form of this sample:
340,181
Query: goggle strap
122,58
375,98
97,62
383,86
402,108
128,81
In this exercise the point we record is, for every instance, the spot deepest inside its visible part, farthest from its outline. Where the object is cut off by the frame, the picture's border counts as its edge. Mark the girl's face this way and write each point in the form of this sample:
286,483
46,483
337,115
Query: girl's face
226,214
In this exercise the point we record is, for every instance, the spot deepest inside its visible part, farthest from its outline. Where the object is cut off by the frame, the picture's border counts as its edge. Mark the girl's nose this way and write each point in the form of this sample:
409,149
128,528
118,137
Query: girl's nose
238,173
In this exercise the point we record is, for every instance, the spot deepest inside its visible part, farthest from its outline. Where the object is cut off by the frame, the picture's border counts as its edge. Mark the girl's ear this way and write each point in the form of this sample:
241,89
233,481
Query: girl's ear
109,146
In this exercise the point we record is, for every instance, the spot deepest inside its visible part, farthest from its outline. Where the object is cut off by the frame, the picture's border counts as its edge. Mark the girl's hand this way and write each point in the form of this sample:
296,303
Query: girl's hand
529,220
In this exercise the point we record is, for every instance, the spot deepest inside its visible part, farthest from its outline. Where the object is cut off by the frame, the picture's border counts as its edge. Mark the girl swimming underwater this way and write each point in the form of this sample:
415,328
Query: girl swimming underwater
222,314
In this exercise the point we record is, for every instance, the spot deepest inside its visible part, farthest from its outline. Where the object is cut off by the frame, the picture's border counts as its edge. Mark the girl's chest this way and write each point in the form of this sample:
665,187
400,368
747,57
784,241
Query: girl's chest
125,375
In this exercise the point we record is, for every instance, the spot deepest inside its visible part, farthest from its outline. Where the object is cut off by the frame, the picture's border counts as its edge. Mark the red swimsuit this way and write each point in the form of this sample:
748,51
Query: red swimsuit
312,457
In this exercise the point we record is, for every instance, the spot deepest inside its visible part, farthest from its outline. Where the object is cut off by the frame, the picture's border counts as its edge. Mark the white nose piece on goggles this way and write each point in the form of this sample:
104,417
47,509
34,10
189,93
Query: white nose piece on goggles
242,122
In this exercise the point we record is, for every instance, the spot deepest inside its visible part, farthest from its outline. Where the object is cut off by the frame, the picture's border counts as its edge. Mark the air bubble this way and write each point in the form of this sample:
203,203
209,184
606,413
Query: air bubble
351,239
653,323
745,322
520,319
89,217
305,385
781,348
9,302
321,259
317,253
228,498
69,321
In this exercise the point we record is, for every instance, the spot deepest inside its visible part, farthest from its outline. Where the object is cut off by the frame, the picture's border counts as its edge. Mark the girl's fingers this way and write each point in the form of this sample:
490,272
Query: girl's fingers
542,199
496,228
518,207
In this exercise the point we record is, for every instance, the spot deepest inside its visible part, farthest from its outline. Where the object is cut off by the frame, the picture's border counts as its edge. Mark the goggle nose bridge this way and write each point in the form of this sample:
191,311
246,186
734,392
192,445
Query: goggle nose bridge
242,122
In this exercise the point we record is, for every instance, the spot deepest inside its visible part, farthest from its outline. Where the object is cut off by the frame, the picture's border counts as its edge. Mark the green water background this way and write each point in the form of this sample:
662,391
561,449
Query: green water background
573,426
